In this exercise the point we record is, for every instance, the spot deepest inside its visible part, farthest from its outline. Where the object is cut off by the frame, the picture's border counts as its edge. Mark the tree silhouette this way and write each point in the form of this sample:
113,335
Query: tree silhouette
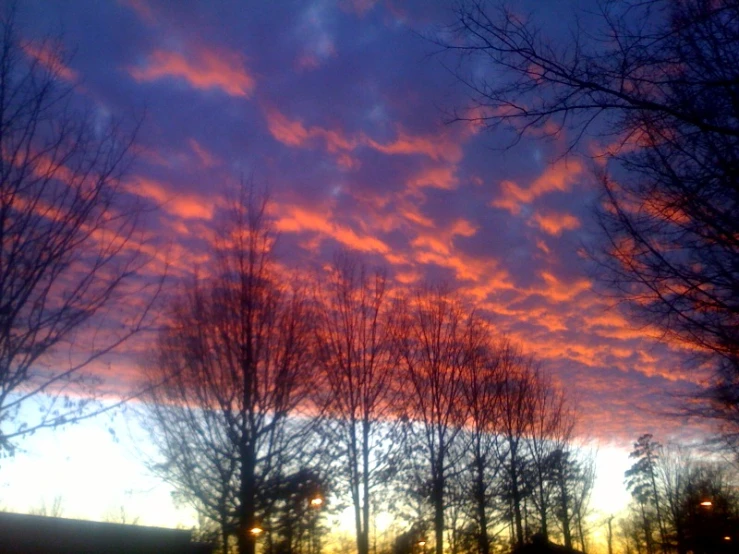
641,479
551,429
355,349
481,378
68,248
699,506
437,338
659,78
517,389
232,365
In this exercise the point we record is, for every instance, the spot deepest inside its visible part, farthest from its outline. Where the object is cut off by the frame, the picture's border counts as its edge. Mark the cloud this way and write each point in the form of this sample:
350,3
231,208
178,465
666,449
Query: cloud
185,206
205,69
294,133
439,148
297,219
359,7
141,8
438,177
49,55
207,159
558,177
554,223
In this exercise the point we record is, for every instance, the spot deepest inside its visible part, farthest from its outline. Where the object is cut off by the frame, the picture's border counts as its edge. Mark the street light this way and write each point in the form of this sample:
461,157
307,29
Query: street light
256,531
316,502
706,503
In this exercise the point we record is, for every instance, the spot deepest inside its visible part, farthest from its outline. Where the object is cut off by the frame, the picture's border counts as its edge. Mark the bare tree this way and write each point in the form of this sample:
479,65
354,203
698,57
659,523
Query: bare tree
55,510
661,79
355,349
233,367
119,515
641,480
551,429
481,378
573,476
437,339
517,389
68,249
674,468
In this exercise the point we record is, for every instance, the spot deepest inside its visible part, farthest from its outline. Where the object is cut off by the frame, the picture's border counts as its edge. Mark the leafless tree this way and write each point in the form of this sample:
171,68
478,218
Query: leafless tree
233,365
437,338
660,79
642,480
674,467
69,254
551,430
575,475
481,378
355,350
55,510
517,390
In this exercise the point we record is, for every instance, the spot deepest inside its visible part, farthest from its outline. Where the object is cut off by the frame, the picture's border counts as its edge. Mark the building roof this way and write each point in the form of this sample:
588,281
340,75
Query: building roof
28,534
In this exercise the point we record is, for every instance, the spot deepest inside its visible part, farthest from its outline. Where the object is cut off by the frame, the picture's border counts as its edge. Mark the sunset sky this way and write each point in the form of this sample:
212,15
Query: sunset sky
341,109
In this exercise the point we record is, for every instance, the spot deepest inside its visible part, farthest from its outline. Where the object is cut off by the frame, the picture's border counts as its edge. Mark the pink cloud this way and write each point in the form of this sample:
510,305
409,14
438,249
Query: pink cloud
297,219
436,147
439,177
49,56
142,9
206,158
554,223
295,133
185,206
205,69
440,148
558,177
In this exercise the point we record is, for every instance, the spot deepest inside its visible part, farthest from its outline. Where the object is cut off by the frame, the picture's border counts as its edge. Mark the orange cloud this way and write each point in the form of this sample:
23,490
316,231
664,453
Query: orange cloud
435,147
296,219
556,177
442,242
49,56
293,132
440,177
560,291
206,158
185,206
204,70
554,223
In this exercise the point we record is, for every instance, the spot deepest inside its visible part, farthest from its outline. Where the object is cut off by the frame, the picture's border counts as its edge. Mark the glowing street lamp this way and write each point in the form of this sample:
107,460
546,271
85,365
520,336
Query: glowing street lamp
316,502
706,503
256,531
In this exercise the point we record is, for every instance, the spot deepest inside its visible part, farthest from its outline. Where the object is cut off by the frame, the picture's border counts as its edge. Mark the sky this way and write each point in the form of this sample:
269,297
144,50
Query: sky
341,109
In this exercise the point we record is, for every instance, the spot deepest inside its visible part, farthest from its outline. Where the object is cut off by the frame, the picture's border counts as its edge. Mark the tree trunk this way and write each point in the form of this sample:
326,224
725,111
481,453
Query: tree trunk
363,544
438,492
246,540
516,500
543,511
483,541
565,509
660,522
